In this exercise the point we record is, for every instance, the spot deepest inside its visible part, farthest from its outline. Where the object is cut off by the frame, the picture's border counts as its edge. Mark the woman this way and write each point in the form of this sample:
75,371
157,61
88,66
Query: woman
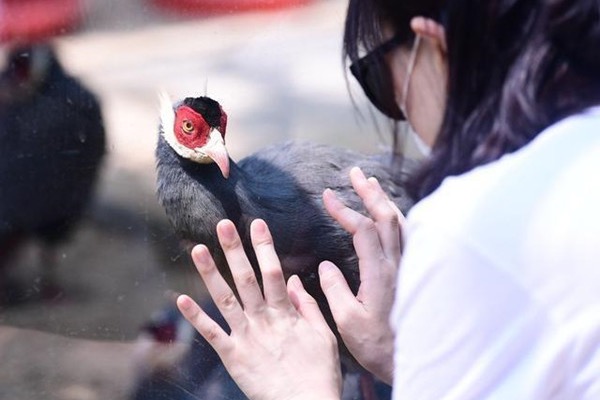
498,294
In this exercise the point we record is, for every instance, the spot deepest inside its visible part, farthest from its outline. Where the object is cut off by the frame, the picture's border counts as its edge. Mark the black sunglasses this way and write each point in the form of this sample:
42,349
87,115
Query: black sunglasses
373,75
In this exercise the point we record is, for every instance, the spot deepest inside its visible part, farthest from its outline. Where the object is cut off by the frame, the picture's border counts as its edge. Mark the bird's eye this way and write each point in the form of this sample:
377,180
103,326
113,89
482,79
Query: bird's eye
188,126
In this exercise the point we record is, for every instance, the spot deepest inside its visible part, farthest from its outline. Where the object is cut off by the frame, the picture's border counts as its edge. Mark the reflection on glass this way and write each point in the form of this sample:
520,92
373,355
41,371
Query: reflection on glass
89,263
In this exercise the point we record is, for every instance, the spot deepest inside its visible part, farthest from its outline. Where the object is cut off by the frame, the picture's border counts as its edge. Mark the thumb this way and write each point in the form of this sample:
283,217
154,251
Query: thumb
339,296
305,304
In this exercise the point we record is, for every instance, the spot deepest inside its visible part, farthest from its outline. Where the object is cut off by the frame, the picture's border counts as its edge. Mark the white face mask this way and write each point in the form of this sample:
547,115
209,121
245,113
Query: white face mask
409,70
421,145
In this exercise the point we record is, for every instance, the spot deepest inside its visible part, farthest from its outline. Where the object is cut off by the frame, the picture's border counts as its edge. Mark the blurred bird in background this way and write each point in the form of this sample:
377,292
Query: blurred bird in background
198,185
52,142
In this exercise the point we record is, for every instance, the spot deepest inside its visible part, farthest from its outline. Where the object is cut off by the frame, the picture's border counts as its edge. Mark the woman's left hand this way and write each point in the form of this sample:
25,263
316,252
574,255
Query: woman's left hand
276,349
362,320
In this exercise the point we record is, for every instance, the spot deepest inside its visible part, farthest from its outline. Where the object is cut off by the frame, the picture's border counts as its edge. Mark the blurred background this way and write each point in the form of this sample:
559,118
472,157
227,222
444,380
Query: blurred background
72,310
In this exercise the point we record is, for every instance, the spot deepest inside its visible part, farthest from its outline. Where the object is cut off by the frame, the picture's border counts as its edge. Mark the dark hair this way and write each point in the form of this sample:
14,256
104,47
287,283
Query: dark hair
514,68
365,20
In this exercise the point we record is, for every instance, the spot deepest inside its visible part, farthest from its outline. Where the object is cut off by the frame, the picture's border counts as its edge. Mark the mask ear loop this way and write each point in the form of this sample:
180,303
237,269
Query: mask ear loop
411,65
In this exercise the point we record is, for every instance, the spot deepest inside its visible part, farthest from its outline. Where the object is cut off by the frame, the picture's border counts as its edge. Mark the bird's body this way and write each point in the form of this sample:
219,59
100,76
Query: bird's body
282,184
52,142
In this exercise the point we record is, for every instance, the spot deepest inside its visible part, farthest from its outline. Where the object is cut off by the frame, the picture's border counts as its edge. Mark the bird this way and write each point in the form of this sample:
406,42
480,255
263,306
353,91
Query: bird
52,144
198,185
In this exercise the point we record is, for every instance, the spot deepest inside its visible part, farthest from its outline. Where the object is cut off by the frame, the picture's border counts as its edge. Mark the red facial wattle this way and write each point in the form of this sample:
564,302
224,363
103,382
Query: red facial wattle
223,122
191,130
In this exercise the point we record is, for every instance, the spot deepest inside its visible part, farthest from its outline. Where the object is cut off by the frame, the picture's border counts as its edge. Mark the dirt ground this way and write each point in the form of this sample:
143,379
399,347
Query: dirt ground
278,74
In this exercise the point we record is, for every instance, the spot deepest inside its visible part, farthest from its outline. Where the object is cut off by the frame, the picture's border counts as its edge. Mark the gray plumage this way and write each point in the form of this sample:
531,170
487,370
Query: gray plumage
282,184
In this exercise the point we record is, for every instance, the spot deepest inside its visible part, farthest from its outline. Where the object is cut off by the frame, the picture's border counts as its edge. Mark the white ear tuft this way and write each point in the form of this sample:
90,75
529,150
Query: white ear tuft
167,113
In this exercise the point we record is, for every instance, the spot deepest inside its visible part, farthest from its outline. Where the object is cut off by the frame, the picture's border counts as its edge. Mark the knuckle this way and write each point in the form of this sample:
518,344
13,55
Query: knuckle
247,278
271,273
208,270
193,316
388,214
205,268
329,281
232,244
343,319
366,225
333,342
227,300
310,301
263,241
211,333
382,261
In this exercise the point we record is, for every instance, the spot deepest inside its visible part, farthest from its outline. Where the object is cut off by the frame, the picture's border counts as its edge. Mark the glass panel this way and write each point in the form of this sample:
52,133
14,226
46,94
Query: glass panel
87,315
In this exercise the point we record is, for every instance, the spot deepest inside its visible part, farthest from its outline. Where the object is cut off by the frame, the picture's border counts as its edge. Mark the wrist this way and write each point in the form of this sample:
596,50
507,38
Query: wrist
382,367
321,393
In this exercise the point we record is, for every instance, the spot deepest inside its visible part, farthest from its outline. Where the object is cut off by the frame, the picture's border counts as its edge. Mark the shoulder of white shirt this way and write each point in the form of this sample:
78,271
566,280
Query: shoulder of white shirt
462,191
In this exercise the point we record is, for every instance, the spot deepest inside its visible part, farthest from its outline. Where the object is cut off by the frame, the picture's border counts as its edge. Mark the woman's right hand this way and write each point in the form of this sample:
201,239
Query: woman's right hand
280,346
363,320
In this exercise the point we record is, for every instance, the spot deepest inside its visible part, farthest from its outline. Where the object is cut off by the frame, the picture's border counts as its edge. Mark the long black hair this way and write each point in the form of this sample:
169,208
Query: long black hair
514,68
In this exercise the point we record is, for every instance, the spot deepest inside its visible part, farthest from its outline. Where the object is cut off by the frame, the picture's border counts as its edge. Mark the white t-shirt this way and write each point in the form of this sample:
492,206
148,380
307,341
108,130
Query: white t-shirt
498,294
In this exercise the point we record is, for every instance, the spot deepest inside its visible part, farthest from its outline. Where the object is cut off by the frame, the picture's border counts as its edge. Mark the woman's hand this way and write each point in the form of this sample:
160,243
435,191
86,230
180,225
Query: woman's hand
362,320
275,350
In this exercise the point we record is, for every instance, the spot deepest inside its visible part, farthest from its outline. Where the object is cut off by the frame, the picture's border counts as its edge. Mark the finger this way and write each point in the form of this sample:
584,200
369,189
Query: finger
209,329
401,222
305,304
376,186
401,217
344,215
377,204
270,267
340,298
363,230
219,290
241,269
389,223
369,251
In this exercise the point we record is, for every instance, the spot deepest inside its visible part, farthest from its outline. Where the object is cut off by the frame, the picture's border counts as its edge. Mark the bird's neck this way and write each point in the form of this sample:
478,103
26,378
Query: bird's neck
233,193
210,176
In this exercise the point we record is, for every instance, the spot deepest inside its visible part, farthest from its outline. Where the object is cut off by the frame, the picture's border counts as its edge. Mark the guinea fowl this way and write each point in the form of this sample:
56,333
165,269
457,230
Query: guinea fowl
198,185
52,143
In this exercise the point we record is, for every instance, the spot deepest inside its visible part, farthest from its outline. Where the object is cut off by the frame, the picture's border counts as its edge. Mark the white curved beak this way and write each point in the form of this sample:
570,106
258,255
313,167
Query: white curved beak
216,150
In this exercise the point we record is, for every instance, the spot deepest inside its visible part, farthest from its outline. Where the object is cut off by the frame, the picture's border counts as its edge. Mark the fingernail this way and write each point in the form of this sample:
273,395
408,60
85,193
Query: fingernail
332,194
295,282
357,170
185,303
325,267
200,253
260,226
226,230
